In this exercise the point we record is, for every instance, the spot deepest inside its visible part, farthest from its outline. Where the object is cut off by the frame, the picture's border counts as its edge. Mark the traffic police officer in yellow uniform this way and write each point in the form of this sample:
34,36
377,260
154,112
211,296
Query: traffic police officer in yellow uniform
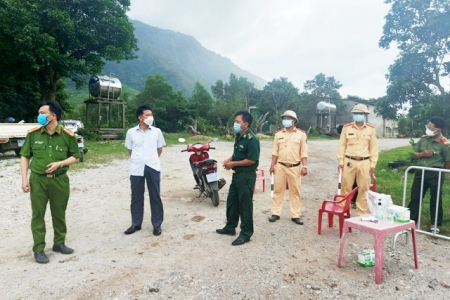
433,151
289,163
53,148
358,156
244,162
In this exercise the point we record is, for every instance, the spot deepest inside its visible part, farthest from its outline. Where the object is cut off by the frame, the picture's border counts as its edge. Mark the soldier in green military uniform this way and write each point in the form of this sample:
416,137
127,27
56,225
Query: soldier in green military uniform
244,162
432,150
53,148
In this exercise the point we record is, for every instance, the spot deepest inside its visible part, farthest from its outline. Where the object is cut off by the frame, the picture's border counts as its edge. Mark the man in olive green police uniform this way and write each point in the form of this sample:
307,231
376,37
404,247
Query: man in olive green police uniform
433,151
53,148
244,162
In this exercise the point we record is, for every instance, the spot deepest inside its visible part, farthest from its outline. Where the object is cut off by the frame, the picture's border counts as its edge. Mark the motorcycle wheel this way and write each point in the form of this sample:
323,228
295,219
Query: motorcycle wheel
215,197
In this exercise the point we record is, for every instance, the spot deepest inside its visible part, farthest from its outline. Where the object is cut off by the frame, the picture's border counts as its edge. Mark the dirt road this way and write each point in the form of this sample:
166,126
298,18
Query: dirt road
189,260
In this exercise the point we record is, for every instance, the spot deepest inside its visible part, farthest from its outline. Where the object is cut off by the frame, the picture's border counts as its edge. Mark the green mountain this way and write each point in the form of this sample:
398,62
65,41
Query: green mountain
181,58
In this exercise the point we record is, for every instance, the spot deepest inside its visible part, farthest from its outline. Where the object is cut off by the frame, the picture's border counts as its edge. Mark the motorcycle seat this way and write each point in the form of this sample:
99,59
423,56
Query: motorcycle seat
205,162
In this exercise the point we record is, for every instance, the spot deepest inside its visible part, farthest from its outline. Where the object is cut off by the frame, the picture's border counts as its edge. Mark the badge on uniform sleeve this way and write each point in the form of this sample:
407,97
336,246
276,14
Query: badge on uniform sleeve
250,136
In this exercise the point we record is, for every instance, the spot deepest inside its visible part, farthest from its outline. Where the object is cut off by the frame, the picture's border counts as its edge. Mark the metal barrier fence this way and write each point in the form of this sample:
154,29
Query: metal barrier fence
421,198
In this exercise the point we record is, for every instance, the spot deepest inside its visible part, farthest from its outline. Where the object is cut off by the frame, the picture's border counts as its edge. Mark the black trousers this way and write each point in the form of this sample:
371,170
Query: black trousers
153,179
430,182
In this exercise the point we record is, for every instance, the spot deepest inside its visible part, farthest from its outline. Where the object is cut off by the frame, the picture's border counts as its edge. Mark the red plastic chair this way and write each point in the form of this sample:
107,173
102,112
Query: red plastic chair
336,207
261,177
373,185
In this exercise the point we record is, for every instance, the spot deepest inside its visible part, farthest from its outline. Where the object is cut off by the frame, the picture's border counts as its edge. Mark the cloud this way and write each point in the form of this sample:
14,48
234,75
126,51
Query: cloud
296,39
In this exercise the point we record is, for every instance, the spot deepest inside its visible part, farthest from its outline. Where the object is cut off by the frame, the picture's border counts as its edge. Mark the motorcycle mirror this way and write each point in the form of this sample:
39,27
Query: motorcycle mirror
215,139
181,140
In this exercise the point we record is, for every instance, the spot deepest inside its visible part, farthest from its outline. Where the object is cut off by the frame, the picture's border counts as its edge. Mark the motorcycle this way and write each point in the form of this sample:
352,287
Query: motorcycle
204,170
83,151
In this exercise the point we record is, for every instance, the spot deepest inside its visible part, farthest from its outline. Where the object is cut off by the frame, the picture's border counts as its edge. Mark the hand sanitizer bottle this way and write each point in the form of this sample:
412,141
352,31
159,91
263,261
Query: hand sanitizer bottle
379,212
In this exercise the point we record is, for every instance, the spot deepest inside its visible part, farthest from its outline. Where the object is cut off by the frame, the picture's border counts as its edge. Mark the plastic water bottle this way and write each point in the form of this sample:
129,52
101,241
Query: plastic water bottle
379,211
390,215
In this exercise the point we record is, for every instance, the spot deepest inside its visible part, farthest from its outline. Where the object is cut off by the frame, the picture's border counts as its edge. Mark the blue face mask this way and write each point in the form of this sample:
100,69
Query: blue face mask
237,128
286,123
358,118
42,119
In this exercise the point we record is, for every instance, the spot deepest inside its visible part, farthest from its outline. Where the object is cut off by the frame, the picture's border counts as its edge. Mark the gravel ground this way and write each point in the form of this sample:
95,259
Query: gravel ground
189,260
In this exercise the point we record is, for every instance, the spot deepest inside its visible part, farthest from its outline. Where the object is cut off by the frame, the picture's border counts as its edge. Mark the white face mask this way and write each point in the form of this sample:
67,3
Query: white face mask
149,121
429,132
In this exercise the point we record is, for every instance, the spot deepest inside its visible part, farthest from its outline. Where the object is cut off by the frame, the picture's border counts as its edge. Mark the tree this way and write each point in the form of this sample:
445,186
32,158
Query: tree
322,88
201,101
237,94
277,96
54,39
386,108
170,107
421,31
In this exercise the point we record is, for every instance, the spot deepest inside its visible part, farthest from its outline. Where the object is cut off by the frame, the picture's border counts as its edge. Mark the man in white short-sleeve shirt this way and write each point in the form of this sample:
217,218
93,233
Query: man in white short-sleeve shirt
144,143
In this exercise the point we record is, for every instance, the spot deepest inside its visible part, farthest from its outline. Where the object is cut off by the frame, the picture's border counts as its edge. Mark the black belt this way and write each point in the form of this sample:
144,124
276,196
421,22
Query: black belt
357,157
53,175
289,165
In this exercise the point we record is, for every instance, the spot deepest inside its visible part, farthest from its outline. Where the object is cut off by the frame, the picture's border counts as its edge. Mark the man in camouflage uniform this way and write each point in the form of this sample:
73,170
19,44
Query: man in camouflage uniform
358,156
53,148
432,151
244,162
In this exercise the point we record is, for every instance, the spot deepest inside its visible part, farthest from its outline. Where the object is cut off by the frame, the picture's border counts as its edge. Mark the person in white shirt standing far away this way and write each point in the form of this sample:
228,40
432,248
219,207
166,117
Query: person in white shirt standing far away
144,143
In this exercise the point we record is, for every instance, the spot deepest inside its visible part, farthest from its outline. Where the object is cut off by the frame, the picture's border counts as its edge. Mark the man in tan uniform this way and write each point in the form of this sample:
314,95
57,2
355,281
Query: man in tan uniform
289,155
358,156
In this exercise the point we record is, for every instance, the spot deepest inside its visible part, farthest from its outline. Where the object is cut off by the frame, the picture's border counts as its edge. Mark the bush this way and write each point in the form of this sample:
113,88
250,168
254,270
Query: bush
89,135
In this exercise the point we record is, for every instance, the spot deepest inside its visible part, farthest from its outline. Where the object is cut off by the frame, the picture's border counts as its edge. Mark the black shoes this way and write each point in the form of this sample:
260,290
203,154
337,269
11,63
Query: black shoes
40,257
225,231
240,241
63,249
297,221
236,242
273,218
132,229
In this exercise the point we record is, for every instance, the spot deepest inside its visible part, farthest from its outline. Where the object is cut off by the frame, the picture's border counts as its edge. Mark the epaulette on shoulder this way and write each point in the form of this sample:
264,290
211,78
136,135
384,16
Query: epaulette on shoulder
279,130
445,141
33,129
370,125
69,132
348,124
301,130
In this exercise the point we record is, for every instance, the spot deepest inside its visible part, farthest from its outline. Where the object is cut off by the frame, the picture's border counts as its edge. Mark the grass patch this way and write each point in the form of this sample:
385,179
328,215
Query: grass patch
391,181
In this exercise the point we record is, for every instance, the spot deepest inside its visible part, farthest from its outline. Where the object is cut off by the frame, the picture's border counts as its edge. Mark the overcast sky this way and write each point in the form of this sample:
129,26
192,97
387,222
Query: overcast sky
296,39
